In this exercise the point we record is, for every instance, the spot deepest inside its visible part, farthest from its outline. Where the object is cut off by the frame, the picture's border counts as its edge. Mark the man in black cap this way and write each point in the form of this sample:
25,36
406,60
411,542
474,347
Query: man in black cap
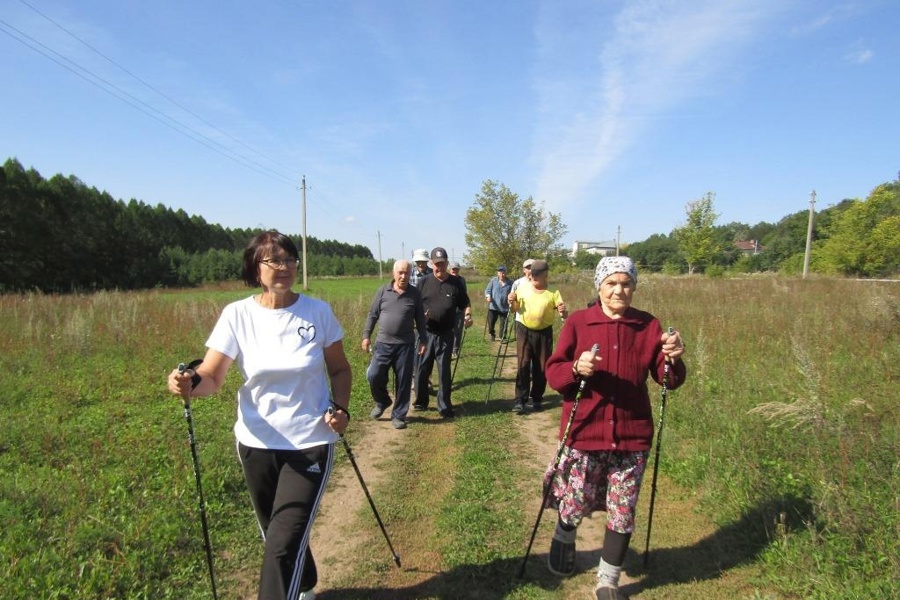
442,294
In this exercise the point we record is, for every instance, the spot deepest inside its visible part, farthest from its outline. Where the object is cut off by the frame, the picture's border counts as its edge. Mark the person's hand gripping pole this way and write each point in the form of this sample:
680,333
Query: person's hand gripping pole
184,369
562,445
679,347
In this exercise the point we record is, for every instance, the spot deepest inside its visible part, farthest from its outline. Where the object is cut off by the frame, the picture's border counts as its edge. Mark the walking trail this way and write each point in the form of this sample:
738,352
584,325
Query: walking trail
677,522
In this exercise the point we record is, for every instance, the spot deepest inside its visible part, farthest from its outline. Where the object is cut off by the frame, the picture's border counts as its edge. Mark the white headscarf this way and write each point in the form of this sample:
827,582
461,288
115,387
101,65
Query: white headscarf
614,264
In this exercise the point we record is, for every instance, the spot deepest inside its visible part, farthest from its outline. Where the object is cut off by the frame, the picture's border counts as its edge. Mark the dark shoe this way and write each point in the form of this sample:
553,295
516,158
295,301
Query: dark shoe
609,593
377,411
398,423
419,407
493,337
518,408
537,406
561,559
447,414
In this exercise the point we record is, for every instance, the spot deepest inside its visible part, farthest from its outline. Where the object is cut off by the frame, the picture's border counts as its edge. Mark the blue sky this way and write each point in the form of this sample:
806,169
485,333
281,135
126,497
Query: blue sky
614,114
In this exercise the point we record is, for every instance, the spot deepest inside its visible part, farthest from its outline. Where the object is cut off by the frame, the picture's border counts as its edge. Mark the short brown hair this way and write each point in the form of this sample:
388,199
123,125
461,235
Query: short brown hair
259,248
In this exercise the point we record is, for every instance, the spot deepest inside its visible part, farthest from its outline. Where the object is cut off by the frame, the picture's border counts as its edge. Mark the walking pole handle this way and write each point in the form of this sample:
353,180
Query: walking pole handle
185,396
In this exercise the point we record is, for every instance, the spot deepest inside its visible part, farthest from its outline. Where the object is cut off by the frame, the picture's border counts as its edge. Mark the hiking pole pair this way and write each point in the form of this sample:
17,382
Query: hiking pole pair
662,417
368,495
505,336
186,402
559,453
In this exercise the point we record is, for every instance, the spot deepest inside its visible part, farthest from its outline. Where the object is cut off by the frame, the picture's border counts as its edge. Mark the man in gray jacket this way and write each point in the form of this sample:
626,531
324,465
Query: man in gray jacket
397,307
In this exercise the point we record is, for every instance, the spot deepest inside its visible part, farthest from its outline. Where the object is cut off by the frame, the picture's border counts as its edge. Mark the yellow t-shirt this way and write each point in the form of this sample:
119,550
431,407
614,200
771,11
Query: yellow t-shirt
537,307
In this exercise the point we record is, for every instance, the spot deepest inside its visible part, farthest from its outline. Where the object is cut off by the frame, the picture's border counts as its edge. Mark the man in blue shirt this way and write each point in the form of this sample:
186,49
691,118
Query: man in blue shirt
496,294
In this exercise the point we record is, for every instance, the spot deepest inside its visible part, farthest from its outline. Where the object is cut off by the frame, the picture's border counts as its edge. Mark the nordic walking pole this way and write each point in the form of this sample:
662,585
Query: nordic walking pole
501,347
562,446
662,417
368,496
462,338
186,402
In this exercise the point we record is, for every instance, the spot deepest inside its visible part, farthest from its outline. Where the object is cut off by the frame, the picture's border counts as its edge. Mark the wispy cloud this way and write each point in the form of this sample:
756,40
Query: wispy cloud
859,55
647,60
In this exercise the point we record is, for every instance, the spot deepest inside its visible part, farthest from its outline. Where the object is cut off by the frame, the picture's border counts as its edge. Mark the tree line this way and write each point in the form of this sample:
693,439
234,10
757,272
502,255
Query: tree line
855,238
59,235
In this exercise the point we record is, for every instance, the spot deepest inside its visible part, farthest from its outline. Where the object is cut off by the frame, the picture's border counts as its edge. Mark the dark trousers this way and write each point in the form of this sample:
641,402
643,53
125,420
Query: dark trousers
286,488
533,348
438,349
493,315
399,358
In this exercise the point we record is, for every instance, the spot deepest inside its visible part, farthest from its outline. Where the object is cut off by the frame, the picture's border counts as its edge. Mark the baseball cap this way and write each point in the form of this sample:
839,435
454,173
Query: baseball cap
438,255
527,263
420,254
502,268
454,265
539,266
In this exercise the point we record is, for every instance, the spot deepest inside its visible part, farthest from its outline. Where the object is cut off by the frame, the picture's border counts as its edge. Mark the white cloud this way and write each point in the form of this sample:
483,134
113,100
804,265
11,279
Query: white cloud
646,60
860,56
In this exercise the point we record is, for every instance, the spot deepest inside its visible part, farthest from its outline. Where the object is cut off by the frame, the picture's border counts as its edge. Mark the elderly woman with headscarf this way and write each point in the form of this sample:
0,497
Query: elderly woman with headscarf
605,453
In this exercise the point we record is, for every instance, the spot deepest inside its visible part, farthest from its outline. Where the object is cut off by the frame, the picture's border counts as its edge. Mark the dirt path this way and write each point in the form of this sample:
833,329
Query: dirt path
337,543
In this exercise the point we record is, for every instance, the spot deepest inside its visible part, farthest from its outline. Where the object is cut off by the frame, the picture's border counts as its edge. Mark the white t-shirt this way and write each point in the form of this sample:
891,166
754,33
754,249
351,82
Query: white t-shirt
280,354
520,285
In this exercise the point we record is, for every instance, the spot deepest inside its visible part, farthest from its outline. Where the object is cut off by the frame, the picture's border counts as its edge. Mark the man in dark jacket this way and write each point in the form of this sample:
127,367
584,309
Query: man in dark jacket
442,295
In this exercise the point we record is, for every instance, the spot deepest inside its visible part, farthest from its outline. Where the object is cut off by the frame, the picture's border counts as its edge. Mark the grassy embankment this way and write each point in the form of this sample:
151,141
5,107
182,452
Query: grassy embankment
786,434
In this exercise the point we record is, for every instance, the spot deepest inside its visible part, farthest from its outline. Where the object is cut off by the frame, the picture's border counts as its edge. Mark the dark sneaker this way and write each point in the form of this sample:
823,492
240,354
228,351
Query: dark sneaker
377,411
537,406
447,414
419,407
561,559
609,593
518,408
398,423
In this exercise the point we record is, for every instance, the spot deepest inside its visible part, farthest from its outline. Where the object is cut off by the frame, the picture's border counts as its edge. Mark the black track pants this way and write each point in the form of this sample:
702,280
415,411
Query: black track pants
286,488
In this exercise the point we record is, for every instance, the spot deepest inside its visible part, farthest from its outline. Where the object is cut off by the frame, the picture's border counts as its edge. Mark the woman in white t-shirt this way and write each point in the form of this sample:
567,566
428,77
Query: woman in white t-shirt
289,351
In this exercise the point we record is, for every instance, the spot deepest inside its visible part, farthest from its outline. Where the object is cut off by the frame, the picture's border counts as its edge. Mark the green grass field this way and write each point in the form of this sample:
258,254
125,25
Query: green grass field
785,436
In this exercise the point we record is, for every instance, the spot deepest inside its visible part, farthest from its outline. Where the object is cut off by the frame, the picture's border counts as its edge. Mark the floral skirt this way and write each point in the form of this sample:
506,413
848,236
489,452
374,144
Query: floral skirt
603,480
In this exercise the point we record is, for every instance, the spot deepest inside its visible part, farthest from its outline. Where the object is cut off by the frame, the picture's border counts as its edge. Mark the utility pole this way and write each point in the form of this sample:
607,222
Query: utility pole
403,250
618,238
809,232
303,238
378,234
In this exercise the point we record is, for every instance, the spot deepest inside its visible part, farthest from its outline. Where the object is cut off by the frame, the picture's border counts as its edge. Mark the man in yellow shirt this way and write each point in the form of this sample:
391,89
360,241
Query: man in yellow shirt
538,308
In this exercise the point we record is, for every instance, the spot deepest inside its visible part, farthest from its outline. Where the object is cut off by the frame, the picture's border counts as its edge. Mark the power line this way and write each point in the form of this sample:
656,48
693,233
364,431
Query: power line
153,88
149,110
135,102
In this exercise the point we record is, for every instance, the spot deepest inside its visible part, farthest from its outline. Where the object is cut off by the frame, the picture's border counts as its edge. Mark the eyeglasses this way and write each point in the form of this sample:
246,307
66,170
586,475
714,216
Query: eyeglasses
280,263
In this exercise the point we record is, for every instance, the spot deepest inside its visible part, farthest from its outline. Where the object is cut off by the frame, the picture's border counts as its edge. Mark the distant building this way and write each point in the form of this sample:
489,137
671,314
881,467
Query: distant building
598,248
748,246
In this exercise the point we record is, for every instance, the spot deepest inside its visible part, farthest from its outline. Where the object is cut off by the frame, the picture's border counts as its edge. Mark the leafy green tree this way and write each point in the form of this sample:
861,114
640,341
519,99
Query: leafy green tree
501,228
864,240
653,253
696,239
585,260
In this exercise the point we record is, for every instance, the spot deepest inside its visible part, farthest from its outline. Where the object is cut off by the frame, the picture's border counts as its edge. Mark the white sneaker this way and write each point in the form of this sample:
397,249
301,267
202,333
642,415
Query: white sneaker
308,595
